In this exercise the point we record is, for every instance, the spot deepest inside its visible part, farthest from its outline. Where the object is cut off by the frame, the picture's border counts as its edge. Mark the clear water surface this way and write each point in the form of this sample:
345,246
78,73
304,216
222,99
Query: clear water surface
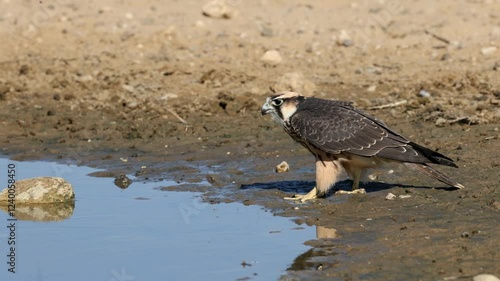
142,233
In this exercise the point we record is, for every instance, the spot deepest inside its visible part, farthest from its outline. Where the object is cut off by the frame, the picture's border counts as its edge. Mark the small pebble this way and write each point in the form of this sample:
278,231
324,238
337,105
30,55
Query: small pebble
128,88
465,234
122,181
344,39
424,94
282,167
485,277
405,196
488,50
218,9
266,31
390,196
272,57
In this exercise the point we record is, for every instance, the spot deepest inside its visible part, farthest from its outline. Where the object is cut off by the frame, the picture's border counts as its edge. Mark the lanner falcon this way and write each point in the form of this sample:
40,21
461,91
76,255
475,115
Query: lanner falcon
339,135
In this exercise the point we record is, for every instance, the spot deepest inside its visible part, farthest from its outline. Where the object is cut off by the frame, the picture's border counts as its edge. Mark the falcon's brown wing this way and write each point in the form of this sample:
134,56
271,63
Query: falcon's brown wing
335,127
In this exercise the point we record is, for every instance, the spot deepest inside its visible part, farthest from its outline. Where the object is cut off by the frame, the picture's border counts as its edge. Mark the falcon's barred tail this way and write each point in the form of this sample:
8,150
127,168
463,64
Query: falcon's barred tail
429,171
433,156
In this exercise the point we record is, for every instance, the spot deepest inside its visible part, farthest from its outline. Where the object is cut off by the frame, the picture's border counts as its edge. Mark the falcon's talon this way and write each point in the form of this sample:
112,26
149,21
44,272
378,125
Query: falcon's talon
339,135
355,191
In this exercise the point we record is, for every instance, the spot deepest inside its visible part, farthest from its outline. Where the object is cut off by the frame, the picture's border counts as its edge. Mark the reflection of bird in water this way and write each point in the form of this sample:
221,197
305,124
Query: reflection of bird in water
339,135
307,260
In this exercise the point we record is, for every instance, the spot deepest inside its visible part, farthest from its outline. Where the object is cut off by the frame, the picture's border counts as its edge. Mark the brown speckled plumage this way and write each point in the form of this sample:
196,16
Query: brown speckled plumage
336,131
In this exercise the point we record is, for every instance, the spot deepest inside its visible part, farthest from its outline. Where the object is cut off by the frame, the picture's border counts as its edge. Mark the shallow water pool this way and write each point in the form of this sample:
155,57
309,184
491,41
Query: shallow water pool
143,233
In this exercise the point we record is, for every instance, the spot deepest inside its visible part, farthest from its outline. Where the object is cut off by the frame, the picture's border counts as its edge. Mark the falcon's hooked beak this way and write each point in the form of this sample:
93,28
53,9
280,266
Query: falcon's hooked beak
266,108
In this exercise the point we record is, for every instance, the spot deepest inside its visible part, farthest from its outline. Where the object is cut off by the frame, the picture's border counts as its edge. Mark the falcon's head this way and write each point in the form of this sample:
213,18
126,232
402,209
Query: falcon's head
282,105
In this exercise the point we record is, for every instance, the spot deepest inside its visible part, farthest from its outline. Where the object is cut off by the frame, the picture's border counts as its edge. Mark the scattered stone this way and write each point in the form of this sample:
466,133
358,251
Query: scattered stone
122,181
485,277
404,196
313,47
457,44
374,70
41,190
215,180
272,57
3,92
295,82
488,50
344,39
266,31
282,167
440,122
465,234
372,88
24,69
494,204
390,196
84,78
129,16
128,88
218,9
424,94
496,66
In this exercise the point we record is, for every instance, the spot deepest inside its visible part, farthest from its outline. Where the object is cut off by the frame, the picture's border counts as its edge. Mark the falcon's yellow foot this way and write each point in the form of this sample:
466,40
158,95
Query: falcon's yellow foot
303,198
354,191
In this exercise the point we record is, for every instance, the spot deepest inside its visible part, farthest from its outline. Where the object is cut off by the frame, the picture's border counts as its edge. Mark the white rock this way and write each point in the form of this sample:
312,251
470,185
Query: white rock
218,9
488,50
344,39
272,57
128,88
294,82
485,277
84,78
390,196
404,196
40,190
282,167
424,94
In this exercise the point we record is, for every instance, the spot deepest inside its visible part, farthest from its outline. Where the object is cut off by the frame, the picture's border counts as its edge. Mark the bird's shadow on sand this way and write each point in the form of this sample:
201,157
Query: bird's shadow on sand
306,186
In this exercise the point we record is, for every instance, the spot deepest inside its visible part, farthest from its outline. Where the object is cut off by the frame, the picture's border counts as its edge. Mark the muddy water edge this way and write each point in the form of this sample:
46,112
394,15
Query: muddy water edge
428,233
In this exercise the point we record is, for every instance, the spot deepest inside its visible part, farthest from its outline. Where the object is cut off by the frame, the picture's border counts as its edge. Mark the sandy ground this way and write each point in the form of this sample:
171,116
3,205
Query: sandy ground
127,84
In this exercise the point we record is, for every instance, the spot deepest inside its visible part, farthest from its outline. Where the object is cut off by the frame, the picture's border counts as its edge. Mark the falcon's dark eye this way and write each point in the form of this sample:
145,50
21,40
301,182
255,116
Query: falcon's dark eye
277,102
